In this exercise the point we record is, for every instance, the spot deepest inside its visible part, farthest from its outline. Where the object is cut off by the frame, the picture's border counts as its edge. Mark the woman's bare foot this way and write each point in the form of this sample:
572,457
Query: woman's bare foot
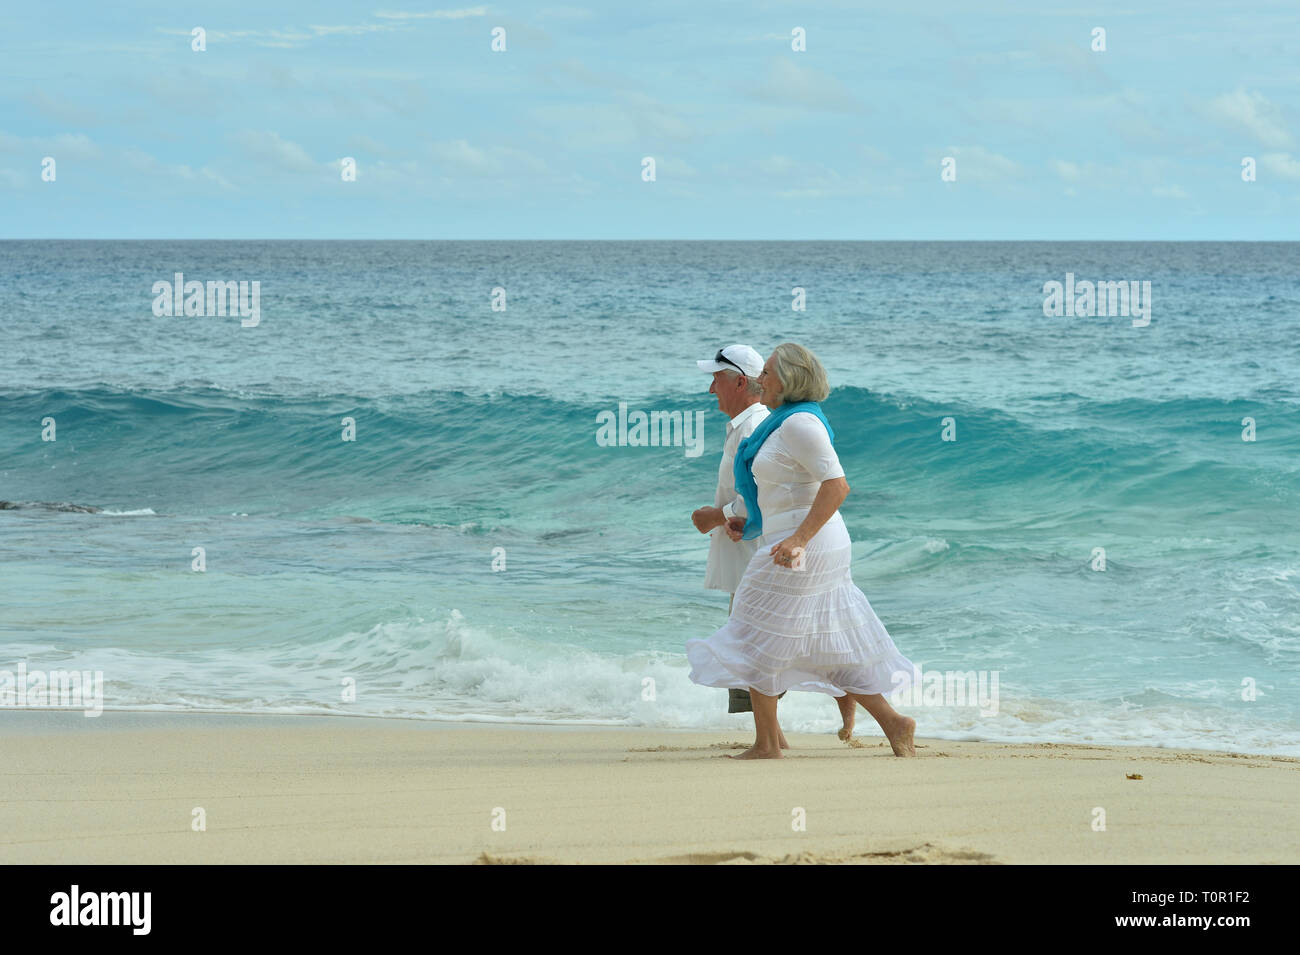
784,744
848,711
755,753
900,736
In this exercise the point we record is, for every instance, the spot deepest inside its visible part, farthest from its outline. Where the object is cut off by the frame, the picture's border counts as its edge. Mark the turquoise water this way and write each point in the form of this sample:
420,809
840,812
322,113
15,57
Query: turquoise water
372,560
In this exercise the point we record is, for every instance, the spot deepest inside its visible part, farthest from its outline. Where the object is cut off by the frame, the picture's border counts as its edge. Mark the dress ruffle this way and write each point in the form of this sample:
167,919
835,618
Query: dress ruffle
809,629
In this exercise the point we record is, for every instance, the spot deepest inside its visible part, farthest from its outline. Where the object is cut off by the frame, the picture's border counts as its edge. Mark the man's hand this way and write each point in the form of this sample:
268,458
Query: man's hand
707,518
736,527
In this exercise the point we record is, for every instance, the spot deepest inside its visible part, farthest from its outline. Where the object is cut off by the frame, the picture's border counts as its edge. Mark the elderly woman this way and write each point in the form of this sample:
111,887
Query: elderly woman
798,622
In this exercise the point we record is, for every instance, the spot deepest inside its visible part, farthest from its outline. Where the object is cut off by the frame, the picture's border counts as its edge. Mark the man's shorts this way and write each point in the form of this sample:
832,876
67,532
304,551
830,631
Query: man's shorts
738,701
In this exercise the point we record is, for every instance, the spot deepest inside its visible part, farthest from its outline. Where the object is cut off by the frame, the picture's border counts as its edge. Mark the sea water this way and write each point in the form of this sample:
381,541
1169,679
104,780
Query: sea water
1112,525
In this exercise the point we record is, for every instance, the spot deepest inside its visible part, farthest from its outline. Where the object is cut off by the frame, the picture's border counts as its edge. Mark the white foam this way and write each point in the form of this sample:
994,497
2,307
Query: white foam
447,669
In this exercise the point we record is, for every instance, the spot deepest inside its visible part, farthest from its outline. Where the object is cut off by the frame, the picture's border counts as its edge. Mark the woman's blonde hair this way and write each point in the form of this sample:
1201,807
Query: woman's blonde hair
802,376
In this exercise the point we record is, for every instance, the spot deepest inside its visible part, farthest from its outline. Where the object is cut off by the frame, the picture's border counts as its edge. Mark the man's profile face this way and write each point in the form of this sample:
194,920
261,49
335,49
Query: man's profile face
722,386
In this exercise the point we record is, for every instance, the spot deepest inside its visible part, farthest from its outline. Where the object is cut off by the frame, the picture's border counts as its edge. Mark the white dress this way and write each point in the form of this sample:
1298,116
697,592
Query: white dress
799,629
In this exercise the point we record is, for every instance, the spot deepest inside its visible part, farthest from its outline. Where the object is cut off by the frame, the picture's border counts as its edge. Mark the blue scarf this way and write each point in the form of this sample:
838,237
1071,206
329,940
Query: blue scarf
748,450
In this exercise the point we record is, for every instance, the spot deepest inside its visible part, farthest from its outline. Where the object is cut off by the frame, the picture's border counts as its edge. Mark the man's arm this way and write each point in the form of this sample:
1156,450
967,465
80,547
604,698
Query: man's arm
707,518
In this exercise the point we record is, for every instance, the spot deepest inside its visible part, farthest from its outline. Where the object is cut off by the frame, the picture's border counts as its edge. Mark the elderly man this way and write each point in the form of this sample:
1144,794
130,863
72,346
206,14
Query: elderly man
735,371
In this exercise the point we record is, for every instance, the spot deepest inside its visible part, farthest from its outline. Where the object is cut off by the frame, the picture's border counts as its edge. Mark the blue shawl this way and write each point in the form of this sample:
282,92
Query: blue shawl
748,450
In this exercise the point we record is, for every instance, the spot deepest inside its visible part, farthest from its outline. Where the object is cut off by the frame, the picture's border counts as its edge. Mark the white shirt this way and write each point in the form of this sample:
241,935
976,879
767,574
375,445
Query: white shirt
789,470
727,558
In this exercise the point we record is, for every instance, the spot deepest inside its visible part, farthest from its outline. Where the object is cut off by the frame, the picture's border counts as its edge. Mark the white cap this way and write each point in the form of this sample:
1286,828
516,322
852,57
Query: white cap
740,358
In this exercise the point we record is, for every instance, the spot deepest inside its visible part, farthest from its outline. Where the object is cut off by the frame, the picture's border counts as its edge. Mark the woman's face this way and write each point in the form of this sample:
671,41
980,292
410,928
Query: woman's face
772,386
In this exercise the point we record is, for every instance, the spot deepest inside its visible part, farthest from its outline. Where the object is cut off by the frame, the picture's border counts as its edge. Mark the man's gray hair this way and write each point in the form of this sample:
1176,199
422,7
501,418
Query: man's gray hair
752,385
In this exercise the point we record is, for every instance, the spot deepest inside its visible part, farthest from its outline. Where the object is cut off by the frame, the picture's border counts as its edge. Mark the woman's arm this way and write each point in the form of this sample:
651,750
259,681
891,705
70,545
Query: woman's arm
828,500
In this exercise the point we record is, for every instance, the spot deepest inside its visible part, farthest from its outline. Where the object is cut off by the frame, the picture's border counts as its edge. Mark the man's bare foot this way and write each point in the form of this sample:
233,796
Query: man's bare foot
900,736
848,711
755,753
784,744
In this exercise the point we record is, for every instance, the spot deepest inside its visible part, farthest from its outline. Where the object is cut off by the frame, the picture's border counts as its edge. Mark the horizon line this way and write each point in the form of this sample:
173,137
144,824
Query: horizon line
337,239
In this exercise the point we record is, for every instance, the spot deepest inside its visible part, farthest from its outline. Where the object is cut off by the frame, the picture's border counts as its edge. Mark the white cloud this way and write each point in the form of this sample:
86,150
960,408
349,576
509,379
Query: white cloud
1001,58
1281,165
277,39
637,120
75,146
791,178
1252,112
65,111
364,144
271,148
564,13
777,165
1132,115
1145,175
575,69
460,155
357,30
457,156
213,176
653,119
294,38
874,155
143,162
788,84
586,125
434,14
977,164
1069,171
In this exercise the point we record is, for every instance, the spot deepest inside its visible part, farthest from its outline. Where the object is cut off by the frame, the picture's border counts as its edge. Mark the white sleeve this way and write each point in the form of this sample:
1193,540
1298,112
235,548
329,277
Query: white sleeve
735,508
809,444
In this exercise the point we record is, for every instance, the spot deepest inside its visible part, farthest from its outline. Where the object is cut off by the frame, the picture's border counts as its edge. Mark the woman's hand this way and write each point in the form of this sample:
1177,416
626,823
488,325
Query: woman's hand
789,552
736,527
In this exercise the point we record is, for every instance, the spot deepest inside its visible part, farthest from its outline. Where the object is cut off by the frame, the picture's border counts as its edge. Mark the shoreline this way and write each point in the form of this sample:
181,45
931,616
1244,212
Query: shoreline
35,719
346,789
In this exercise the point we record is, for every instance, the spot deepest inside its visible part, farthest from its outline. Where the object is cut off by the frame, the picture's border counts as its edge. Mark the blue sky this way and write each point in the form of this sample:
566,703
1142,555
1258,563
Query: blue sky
751,139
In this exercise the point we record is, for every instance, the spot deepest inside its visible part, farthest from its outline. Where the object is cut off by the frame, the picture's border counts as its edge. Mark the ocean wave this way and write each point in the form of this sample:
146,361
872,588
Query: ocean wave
450,669
1057,446
64,506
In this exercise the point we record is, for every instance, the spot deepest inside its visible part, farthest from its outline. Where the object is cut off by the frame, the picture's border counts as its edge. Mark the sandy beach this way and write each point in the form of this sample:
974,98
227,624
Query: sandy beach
123,788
